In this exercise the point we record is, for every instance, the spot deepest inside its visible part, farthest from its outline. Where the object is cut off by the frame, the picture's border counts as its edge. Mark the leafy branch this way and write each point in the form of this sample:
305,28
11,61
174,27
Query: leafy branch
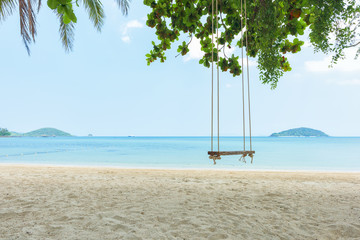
273,28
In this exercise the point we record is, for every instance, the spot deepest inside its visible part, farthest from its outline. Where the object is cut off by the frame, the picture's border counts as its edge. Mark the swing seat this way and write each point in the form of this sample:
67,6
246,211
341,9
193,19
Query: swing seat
228,153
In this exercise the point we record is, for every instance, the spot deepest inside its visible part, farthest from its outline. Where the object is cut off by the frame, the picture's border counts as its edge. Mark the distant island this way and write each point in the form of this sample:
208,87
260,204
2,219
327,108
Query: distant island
42,132
300,132
47,132
4,132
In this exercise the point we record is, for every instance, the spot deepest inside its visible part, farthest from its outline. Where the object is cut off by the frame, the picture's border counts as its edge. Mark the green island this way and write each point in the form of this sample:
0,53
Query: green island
47,132
42,132
300,132
4,132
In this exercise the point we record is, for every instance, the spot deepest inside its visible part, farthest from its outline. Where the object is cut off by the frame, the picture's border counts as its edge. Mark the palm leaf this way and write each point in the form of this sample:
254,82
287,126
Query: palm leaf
27,22
124,5
96,12
39,6
66,33
31,20
6,8
24,26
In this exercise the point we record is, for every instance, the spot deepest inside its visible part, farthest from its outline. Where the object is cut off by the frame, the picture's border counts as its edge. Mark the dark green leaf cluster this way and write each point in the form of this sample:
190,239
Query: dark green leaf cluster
65,8
4,132
271,27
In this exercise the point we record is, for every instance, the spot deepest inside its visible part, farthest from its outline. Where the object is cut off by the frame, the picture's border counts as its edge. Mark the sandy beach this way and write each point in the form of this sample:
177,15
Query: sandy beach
38,202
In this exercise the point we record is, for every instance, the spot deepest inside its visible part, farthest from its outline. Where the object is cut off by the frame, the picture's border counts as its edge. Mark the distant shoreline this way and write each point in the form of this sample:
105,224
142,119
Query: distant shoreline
182,169
180,137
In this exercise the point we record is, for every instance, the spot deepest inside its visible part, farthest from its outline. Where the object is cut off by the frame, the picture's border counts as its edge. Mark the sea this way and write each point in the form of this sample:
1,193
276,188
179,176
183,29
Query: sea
271,153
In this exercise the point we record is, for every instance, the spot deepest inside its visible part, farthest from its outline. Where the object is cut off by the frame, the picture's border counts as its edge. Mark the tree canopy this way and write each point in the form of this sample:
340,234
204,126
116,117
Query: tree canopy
4,132
272,29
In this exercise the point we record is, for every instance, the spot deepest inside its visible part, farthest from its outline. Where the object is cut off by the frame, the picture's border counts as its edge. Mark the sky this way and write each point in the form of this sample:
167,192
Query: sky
105,88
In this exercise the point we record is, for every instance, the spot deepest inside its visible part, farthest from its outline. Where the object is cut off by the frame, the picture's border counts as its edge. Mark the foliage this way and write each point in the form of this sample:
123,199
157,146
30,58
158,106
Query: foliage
4,132
272,28
63,9
47,132
300,132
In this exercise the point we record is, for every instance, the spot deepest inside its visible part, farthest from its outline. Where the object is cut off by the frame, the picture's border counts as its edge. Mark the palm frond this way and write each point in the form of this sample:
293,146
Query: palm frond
31,20
66,33
124,6
39,6
6,8
96,12
24,26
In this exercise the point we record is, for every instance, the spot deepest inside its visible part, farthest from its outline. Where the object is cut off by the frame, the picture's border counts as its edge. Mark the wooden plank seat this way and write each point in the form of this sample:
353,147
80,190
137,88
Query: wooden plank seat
226,153
216,155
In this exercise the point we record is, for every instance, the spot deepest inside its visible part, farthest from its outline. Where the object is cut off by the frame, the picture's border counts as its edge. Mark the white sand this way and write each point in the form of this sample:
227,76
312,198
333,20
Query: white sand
105,203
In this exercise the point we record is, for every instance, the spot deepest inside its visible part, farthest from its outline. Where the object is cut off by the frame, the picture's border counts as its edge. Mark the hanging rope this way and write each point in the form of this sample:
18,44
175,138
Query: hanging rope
214,16
243,157
218,78
248,82
212,76
242,68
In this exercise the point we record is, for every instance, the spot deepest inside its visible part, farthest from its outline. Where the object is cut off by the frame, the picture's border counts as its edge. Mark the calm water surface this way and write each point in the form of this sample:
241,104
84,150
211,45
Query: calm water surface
325,154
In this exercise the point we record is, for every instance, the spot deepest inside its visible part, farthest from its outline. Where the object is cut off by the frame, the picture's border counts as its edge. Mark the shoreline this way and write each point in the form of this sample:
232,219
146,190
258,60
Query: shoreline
174,168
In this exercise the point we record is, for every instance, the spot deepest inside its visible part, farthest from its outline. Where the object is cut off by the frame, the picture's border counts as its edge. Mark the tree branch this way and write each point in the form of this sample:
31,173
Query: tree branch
353,45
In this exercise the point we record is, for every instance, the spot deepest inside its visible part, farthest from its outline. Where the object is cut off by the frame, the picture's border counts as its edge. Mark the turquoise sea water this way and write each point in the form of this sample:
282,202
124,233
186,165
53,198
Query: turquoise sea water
319,154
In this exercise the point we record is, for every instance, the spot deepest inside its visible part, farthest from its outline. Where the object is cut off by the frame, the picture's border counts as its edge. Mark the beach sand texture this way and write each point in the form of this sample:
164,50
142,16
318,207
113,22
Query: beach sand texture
107,203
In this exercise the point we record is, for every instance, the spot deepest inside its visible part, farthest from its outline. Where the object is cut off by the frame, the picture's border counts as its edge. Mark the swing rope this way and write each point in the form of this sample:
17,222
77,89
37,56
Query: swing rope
214,158
217,155
248,83
217,76
212,77
242,74
217,72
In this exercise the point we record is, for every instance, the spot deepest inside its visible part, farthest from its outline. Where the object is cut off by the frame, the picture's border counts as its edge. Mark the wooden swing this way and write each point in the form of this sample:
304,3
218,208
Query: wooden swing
216,155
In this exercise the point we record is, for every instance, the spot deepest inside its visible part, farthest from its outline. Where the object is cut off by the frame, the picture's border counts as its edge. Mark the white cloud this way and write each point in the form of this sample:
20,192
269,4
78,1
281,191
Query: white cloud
125,39
251,62
228,51
352,82
130,25
239,35
346,65
194,50
307,44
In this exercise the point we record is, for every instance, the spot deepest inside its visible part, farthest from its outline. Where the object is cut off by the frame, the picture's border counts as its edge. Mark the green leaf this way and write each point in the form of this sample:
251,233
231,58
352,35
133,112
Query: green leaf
271,28
53,4
72,16
61,9
70,12
66,19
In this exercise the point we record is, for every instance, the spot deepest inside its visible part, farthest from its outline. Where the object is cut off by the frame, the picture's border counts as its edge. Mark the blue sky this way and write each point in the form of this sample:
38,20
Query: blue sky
104,86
